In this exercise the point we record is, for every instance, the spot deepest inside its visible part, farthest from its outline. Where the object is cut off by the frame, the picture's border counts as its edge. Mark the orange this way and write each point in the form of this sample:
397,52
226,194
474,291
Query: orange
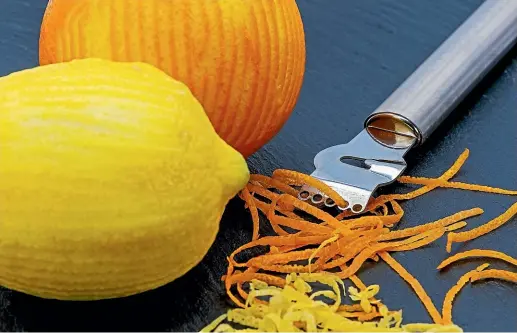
243,60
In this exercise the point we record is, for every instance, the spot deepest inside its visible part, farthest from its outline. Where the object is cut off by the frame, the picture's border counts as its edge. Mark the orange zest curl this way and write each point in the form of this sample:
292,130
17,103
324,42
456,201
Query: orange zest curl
451,294
417,287
308,241
466,236
477,253
454,185
447,175
494,274
444,222
253,210
268,182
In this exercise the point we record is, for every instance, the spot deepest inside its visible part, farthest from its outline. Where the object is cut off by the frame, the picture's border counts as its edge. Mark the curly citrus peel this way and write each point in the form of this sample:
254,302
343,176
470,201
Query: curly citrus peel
268,183
451,294
322,245
253,210
455,226
413,282
494,274
447,175
444,222
477,253
454,185
484,229
341,244
415,241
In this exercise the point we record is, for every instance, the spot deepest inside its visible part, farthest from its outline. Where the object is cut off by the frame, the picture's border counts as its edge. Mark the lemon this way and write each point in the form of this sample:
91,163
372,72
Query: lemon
112,180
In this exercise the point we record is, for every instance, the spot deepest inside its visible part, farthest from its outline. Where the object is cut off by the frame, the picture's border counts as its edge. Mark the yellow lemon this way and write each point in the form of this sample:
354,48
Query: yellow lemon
112,180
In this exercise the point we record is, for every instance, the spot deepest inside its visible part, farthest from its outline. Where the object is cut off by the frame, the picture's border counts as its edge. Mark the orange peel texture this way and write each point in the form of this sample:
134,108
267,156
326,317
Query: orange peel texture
243,60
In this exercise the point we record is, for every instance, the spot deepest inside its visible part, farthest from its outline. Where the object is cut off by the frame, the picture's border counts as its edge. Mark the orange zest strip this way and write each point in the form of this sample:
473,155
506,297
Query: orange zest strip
382,210
387,220
361,222
271,216
228,285
418,238
455,185
451,172
399,212
262,206
432,235
360,316
474,275
298,224
348,247
284,258
248,275
286,268
357,281
367,250
334,249
494,274
287,249
312,210
288,240
264,192
253,210
241,291
350,308
439,223
370,221
477,253
456,226
252,275
413,282
265,207
451,294
359,260
295,223
297,178
279,258
465,236
322,245
269,182
447,175
347,241
348,253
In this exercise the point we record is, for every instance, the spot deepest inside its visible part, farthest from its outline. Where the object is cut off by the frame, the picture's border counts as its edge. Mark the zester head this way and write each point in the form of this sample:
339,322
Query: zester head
356,169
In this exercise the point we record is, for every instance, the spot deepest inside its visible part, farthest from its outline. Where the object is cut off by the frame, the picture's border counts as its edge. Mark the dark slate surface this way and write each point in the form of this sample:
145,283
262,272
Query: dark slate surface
358,52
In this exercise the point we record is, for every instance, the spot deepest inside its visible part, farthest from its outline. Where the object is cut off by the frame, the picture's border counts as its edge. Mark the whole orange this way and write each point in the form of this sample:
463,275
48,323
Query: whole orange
244,60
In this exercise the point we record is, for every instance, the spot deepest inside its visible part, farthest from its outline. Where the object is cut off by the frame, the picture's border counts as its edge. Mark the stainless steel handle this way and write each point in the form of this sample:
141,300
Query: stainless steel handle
428,96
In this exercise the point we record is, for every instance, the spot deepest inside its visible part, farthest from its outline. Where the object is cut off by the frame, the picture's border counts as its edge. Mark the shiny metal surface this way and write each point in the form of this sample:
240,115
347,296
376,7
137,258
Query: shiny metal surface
416,108
380,166
428,96
392,131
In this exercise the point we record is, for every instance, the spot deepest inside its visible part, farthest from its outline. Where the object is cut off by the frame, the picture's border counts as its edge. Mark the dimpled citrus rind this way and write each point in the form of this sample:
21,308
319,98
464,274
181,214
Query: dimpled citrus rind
112,180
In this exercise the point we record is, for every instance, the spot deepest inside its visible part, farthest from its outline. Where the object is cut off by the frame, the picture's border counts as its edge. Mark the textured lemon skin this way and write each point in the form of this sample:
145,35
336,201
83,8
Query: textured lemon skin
112,180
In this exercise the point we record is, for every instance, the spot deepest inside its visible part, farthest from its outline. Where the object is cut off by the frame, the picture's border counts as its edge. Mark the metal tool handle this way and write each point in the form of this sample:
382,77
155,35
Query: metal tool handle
428,96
